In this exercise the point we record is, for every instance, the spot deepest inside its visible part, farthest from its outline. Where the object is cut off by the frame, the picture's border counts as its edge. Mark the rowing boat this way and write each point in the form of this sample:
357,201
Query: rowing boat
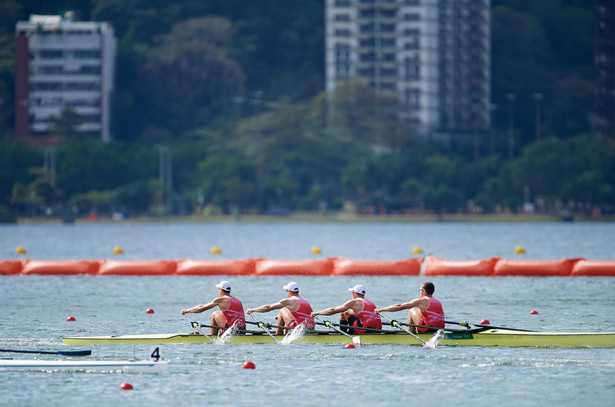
127,366
486,337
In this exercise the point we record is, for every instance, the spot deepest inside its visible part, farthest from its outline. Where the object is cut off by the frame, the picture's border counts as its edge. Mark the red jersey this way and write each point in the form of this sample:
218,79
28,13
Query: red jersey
433,315
368,318
234,313
302,315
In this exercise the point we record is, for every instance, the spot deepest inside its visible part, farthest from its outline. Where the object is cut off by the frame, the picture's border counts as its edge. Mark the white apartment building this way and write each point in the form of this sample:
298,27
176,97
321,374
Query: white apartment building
434,55
63,63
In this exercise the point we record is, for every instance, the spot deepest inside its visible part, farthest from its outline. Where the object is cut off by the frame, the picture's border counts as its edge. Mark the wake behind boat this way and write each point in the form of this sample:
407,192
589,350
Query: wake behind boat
476,337
126,366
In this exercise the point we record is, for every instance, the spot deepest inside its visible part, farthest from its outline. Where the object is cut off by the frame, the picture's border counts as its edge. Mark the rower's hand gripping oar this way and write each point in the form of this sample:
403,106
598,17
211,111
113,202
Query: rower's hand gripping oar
196,325
355,339
397,325
262,326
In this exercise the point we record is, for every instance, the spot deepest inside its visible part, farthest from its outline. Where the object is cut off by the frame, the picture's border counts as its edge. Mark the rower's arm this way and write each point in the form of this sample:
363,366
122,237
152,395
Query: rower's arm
398,307
265,308
336,310
203,307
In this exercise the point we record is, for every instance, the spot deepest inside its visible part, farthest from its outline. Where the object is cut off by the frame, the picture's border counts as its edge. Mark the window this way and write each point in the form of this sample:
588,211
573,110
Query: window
342,17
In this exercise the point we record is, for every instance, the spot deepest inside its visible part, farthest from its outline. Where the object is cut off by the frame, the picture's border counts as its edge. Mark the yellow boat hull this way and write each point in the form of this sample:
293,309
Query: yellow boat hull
489,337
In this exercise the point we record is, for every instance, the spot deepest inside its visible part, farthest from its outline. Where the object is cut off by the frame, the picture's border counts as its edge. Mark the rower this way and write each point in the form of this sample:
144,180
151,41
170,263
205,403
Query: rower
358,312
425,310
294,310
230,313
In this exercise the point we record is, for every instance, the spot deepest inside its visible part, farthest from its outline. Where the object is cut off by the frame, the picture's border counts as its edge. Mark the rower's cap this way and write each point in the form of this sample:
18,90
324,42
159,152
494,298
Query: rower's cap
292,287
359,289
224,285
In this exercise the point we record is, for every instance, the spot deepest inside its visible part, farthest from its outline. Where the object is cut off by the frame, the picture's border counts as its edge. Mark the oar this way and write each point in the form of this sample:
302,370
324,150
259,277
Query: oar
59,352
269,326
261,325
469,325
198,326
355,339
396,324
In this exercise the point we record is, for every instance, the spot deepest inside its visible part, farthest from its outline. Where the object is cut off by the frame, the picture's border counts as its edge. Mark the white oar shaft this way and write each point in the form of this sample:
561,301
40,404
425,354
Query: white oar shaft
355,339
198,327
262,326
396,324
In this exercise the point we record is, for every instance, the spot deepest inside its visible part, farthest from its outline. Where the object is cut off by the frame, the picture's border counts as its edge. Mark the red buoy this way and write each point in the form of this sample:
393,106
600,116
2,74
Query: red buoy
349,346
71,318
249,365
533,312
485,322
149,311
126,386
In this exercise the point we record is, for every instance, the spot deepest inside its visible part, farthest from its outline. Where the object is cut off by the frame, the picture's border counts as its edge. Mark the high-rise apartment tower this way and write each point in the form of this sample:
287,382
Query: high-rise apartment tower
61,63
434,55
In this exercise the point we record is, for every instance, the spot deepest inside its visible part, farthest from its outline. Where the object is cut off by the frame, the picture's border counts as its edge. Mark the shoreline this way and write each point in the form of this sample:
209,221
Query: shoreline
326,218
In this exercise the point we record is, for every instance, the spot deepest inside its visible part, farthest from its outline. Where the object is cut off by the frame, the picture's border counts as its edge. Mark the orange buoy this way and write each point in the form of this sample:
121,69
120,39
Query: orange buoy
349,267
268,267
349,346
71,318
190,267
530,268
137,267
149,311
126,386
593,268
60,267
436,266
10,267
485,322
533,312
249,365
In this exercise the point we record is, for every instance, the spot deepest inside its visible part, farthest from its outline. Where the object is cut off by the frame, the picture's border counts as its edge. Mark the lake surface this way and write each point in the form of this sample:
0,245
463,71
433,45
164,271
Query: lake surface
34,311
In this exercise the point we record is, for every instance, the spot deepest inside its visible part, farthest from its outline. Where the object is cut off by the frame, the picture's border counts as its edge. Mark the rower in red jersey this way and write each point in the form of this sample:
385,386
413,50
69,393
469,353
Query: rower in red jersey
294,310
358,312
230,313
425,310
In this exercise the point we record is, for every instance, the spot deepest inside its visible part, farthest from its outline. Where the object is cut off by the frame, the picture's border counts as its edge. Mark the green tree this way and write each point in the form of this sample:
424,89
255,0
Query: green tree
66,124
190,78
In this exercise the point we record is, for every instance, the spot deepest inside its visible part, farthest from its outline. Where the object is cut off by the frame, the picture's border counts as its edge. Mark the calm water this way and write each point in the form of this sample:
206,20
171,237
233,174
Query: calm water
34,311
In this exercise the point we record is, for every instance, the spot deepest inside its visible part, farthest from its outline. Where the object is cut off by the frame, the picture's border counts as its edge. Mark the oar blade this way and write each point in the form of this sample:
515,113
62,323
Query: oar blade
433,342
74,352
46,352
356,340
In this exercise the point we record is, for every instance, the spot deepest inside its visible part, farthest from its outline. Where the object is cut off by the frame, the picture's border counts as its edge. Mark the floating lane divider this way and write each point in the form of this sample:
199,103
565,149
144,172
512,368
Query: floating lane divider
419,266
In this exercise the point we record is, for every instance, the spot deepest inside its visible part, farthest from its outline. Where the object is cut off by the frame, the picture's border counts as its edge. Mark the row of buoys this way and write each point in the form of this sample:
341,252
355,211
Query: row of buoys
215,250
429,266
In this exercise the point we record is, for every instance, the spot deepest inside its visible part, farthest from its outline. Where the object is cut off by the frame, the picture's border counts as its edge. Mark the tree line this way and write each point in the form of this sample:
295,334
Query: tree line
235,89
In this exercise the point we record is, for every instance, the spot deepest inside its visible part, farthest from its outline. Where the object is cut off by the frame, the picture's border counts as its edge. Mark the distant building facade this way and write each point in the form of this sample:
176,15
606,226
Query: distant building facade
60,64
605,67
434,55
